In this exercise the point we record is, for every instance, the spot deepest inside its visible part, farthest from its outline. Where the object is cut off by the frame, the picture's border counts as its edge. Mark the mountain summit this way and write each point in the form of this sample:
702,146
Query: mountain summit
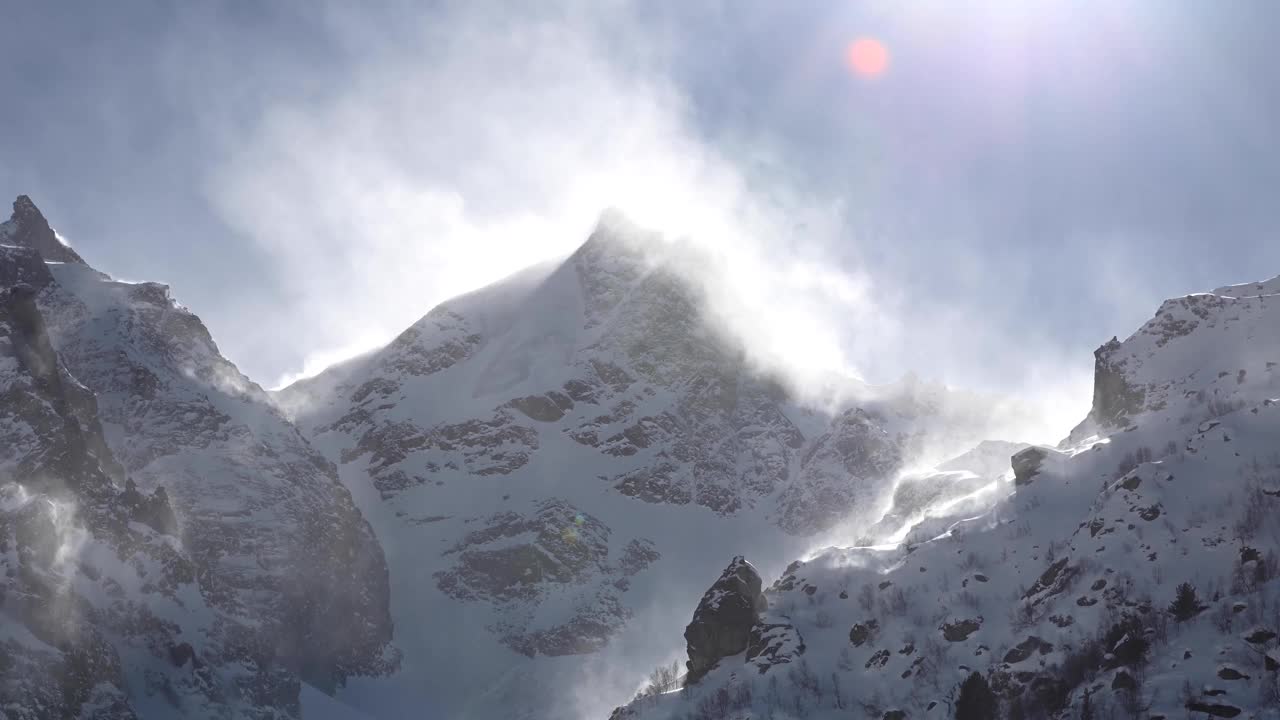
564,449
170,545
1132,571
28,228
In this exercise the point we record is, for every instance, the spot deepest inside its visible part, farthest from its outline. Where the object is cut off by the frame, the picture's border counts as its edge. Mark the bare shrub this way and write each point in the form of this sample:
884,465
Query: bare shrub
894,603
662,679
1255,512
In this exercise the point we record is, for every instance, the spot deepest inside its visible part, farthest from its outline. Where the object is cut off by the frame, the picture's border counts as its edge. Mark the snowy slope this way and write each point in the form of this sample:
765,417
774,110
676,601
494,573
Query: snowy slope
287,580
1058,585
552,460
102,614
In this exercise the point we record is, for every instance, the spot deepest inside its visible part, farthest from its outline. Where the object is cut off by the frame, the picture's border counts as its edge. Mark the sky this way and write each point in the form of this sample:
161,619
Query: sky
981,193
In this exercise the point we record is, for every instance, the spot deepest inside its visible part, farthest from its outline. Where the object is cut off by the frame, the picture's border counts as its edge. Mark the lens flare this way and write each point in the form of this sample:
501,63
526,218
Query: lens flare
867,57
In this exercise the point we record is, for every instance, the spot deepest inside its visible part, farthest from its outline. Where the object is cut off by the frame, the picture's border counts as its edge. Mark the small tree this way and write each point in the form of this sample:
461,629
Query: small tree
1186,604
976,701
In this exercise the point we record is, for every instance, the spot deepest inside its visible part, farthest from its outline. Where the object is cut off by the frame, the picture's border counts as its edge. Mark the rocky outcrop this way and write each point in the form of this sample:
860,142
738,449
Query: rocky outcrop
28,228
724,619
841,470
1026,464
83,587
1115,400
773,644
516,562
179,466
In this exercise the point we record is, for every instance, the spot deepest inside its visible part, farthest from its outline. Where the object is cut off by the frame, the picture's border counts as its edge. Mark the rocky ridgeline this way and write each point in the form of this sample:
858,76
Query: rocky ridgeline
1132,571
173,545
597,396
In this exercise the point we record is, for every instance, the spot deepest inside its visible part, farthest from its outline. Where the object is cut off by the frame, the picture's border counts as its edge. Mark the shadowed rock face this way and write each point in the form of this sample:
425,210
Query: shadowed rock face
724,619
515,562
1114,399
28,228
1026,464
61,516
124,432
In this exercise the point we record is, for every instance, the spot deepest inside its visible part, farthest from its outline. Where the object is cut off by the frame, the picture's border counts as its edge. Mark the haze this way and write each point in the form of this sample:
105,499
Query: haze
967,194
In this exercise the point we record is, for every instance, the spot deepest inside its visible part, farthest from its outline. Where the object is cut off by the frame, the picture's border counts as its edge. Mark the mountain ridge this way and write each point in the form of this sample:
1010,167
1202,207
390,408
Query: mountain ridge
268,537
1072,589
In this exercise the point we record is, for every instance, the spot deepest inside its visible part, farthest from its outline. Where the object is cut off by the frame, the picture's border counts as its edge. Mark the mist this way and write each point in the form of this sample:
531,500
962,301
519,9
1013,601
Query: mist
460,149
1008,191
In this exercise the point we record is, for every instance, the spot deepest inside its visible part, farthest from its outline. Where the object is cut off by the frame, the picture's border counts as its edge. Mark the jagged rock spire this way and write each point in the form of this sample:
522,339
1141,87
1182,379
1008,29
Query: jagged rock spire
28,228
722,623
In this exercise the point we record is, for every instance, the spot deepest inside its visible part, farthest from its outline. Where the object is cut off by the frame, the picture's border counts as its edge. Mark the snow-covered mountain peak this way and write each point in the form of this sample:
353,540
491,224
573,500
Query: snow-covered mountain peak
214,561
1200,355
1133,571
564,447
28,228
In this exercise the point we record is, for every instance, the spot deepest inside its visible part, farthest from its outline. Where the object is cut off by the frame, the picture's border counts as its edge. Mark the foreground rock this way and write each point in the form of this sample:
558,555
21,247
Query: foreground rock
192,529
723,621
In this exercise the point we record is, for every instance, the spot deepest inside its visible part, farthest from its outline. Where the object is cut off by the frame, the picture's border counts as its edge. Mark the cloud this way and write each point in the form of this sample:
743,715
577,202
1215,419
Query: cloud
462,146
456,158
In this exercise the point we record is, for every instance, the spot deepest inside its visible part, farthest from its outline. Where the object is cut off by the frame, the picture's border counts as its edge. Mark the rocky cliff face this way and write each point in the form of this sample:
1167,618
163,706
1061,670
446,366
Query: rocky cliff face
28,228
283,580
725,616
1132,570
93,575
596,397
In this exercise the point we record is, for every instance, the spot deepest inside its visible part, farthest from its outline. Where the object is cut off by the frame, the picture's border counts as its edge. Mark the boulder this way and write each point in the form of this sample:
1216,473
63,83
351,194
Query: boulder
725,616
1026,464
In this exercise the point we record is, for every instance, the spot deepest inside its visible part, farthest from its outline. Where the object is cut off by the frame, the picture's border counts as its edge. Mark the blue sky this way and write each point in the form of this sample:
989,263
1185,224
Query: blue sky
1022,182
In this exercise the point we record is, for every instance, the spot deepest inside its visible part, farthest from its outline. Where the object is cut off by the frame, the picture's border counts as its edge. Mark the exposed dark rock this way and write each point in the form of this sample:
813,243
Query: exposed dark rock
28,228
181,653
1026,464
1123,681
856,453
724,618
860,633
1115,401
1260,636
1214,709
22,266
878,659
773,644
1054,579
1026,648
542,408
960,630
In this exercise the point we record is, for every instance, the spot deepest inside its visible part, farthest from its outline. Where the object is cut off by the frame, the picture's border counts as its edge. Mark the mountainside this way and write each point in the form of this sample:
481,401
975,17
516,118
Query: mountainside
1130,572
246,567
553,459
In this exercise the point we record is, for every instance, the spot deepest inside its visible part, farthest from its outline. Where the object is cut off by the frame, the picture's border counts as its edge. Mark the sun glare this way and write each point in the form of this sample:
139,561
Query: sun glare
867,57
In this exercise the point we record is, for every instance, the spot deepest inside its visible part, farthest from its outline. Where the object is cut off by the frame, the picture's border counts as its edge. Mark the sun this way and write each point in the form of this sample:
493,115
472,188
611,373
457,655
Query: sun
867,57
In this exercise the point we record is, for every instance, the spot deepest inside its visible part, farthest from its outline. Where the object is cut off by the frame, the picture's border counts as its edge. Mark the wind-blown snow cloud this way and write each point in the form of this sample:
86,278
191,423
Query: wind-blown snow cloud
288,166
465,147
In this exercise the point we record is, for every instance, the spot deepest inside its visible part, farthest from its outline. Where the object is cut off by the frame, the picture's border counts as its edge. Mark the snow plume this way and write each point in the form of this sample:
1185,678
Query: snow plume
466,146
453,159
56,531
